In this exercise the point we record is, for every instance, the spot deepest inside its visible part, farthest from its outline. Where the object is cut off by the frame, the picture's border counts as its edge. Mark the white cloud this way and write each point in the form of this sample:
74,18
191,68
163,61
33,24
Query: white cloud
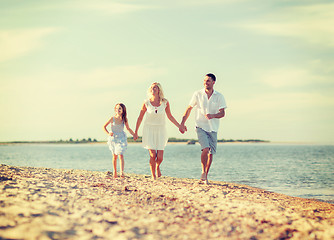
202,3
323,65
108,7
94,81
311,23
120,75
60,99
71,85
289,77
274,106
119,7
17,43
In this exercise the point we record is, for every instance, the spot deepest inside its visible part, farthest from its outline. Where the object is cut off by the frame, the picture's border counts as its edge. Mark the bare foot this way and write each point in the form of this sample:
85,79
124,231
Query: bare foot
115,175
122,175
158,171
154,178
203,177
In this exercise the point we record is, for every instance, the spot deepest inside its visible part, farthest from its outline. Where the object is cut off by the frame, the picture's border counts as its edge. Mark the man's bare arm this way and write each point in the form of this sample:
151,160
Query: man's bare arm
220,114
186,115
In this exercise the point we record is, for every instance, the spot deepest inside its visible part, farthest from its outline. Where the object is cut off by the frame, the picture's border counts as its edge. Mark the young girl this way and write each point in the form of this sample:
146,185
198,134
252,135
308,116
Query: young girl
117,141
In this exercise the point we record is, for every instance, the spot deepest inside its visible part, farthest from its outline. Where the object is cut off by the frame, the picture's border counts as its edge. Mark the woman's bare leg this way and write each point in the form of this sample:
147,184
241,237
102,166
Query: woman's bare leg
160,157
153,156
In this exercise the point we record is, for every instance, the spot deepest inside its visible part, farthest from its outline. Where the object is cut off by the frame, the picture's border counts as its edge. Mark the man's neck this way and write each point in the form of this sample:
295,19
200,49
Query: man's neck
209,92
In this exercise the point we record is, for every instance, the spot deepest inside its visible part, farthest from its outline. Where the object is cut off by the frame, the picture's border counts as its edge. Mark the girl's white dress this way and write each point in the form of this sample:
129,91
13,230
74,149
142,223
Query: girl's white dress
154,130
118,142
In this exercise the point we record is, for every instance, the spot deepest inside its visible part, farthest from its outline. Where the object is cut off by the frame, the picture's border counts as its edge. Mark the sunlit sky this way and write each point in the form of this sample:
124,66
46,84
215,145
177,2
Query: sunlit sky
65,64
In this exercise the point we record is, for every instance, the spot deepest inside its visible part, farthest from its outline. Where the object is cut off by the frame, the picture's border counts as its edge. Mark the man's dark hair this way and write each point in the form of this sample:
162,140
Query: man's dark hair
212,76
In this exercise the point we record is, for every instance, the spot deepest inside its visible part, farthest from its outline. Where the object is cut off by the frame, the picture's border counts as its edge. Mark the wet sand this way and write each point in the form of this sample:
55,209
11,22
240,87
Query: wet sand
44,203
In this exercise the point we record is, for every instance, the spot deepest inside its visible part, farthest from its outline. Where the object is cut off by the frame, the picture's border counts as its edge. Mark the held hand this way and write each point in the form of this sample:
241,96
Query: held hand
135,137
209,116
111,134
182,129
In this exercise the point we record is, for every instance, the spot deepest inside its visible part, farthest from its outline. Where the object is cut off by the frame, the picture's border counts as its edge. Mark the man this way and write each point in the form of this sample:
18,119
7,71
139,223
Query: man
210,107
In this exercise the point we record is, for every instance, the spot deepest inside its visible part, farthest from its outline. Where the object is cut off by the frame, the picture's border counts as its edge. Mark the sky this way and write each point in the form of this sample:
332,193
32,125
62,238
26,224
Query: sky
65,64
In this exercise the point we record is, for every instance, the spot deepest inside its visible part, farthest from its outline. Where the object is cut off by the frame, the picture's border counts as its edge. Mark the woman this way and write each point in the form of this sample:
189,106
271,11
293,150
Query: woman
154,131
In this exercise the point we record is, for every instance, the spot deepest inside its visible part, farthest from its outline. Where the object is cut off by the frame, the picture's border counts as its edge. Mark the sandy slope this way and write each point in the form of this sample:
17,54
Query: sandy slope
41,203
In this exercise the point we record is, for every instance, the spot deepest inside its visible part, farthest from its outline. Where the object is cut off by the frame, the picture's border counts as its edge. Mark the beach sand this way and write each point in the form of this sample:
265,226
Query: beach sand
44,203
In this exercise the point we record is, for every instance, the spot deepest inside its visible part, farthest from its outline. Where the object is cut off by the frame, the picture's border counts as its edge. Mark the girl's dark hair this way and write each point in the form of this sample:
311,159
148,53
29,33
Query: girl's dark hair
124,118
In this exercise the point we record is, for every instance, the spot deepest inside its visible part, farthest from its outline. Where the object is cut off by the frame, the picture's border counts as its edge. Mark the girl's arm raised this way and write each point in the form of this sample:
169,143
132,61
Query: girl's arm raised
140,119
105,127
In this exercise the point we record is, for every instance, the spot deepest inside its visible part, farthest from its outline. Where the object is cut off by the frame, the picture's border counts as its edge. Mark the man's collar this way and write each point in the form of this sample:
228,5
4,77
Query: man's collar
214,91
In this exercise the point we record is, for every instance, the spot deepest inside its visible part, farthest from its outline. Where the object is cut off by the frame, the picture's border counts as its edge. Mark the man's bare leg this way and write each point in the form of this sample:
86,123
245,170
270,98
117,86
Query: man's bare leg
208,165
204,162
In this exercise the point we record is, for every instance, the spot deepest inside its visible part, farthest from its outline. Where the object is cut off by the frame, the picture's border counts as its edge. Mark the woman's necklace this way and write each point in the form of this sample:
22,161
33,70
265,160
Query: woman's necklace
155,103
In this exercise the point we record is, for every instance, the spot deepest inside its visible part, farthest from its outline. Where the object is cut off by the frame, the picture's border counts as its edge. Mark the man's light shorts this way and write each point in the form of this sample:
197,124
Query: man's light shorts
207,139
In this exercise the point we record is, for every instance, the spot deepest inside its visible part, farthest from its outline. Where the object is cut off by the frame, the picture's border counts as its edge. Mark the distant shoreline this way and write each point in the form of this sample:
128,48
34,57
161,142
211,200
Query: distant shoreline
169,143
130,140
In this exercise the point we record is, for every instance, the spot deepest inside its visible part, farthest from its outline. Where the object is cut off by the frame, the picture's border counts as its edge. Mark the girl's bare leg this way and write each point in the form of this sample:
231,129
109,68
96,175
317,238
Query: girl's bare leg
153,156
160,156
114,161
121,157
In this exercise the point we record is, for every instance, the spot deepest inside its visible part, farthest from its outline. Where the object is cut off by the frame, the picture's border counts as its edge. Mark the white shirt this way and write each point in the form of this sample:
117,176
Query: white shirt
207,106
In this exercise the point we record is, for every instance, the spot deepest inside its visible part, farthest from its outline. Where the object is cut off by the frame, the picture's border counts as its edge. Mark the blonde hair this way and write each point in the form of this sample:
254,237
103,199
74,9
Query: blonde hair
161,92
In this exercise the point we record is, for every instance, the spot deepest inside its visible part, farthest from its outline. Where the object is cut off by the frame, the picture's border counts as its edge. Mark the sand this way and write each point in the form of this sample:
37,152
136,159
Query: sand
44,203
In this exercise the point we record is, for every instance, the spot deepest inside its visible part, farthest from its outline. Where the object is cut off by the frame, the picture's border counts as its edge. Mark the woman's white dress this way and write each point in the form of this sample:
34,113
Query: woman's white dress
154,131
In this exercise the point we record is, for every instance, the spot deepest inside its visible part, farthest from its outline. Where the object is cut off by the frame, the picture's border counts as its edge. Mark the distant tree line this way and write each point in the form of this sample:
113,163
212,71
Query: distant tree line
240,140
194,140
84,140
130,139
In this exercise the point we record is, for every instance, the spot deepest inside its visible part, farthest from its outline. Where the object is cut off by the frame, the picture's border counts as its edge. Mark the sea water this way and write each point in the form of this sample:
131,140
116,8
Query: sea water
297,170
